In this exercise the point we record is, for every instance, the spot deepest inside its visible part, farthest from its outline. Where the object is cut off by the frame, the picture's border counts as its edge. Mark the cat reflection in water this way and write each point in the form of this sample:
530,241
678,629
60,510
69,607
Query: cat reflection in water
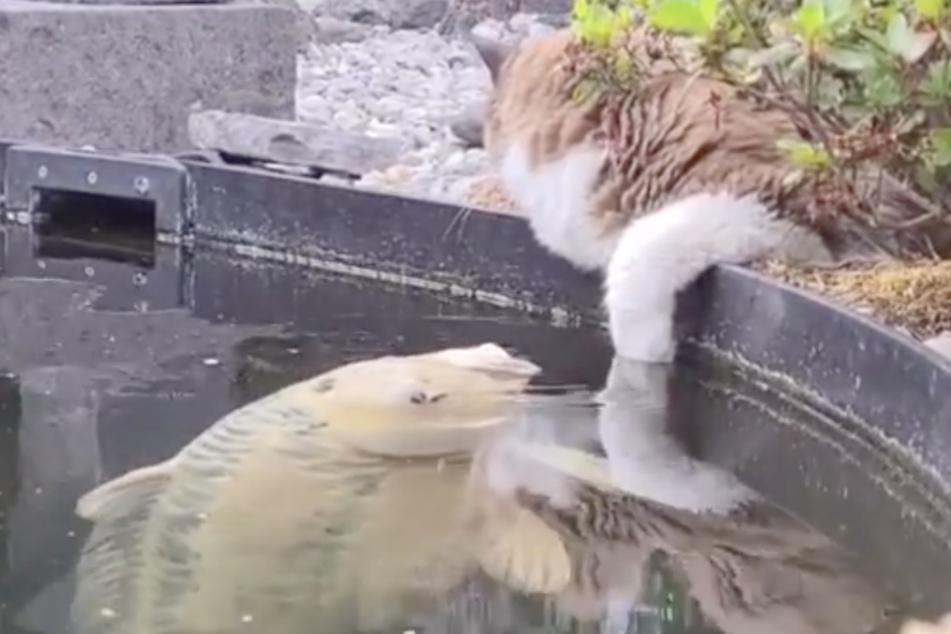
582,528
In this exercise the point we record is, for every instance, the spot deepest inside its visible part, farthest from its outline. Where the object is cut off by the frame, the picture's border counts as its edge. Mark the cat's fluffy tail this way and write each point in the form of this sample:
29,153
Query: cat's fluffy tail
661,253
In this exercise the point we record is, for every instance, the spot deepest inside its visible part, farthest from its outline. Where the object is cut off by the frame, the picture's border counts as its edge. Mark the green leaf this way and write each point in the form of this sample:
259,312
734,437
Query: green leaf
897,33
882,89
777,54
709,11
580,10
840,11
585,90
936,85
903,41
881,14
624,16
810,20
803,154
598,26
930,9
850,59
941,147
683,16
596,23
623,64
874,37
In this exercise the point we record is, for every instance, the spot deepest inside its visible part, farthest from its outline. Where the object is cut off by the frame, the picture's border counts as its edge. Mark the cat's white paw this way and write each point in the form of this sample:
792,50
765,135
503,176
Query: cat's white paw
646,336
663,252
641,321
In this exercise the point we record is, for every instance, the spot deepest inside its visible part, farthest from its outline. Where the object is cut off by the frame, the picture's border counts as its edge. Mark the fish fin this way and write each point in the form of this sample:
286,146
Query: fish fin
527,555
489,357
917,626
119,495
581,465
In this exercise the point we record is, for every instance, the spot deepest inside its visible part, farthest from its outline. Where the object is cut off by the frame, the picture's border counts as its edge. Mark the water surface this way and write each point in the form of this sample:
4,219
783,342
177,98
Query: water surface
112,364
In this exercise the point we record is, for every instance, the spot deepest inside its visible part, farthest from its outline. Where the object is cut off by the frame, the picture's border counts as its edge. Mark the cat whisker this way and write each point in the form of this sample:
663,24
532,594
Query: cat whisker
459,219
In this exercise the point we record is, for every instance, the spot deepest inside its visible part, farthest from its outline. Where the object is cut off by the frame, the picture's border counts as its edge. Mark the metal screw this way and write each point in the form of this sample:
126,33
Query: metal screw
91,178
141,185
42,172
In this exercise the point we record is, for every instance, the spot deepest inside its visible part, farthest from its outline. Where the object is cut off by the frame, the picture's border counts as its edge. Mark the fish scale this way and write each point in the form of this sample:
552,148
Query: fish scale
162,595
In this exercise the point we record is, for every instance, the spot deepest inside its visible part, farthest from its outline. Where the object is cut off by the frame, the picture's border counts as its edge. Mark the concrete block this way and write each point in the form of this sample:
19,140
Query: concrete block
292,143
126,77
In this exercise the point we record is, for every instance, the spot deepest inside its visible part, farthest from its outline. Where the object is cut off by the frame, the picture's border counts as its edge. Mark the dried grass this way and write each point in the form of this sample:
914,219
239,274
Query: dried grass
914,296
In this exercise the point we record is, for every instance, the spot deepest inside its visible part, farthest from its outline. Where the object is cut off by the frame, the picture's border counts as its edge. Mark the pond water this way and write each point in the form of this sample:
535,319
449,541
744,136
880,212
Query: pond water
115,359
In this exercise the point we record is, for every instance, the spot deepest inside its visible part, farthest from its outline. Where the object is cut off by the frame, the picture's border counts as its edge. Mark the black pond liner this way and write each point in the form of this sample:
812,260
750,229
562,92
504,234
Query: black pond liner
895,390
886,392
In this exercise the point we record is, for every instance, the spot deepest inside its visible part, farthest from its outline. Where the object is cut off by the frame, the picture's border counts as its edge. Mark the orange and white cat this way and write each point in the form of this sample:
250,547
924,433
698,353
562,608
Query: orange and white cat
656,186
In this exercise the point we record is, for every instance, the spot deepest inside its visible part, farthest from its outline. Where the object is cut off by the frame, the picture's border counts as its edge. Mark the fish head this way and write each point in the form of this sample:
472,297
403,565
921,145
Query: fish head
435,403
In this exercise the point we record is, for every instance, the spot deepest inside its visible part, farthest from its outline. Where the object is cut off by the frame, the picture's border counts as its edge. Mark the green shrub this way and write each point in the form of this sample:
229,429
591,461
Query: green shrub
871,80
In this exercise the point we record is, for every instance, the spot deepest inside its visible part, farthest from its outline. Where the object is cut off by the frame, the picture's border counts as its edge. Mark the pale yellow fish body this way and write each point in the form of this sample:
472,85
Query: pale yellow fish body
296,512
915,626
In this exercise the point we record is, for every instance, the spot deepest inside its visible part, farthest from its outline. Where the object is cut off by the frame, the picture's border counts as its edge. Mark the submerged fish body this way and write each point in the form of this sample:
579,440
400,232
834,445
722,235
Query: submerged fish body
297,511
918,626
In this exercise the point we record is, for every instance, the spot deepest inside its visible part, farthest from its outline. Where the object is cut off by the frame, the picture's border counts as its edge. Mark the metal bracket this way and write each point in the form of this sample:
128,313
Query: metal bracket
160,179
5,144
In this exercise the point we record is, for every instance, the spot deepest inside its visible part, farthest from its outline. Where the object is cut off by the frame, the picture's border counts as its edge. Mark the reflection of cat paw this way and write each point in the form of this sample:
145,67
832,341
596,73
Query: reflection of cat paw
641,386
648,338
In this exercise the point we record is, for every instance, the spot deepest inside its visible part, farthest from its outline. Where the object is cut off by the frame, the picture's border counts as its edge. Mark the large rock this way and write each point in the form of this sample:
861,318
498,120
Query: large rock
400,14
330,30
468,125
292,143
126,77
463,15
307,31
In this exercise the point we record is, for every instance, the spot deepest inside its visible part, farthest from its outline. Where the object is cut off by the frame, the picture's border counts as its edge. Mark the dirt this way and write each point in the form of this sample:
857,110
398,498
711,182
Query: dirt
489,195
914,296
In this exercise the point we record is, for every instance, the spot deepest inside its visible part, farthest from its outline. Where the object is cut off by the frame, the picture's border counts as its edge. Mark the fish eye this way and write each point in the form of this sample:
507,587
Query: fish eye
420,397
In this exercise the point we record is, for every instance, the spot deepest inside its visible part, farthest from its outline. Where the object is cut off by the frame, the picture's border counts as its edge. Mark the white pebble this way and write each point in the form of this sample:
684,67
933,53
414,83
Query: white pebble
407,84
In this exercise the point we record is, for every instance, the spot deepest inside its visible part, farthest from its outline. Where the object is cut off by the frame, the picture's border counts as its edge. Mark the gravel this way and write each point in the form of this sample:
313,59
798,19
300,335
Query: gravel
408,84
